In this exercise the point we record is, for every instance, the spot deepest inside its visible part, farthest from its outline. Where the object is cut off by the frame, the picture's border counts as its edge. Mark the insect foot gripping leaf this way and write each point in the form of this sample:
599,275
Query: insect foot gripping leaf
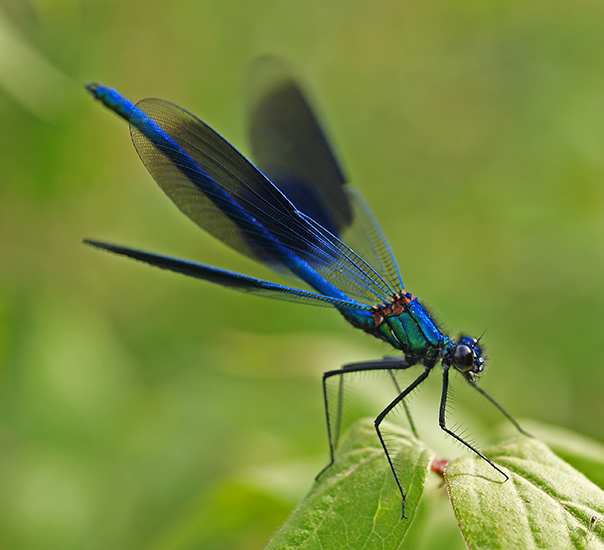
355,503
545,504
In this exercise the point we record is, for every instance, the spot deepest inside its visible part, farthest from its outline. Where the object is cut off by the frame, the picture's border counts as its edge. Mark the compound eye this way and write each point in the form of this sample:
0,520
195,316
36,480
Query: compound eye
463,358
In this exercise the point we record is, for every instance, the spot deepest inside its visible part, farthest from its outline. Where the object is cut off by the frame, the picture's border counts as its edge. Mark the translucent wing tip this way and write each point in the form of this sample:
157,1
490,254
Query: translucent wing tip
270,71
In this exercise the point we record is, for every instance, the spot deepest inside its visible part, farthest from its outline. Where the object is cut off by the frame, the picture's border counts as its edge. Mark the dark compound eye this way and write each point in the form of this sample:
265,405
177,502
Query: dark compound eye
463,358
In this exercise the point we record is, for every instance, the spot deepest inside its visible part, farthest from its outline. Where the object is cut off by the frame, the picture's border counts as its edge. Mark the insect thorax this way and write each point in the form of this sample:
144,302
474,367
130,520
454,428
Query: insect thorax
405,324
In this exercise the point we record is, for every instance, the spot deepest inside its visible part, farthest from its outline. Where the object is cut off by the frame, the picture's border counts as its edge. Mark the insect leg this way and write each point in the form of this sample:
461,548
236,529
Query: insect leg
501,409
385,412
442,423
333,427
405,406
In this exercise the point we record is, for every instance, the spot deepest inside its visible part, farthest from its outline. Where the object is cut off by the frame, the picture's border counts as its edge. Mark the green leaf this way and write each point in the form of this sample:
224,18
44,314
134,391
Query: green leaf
545,504
580,451
356,503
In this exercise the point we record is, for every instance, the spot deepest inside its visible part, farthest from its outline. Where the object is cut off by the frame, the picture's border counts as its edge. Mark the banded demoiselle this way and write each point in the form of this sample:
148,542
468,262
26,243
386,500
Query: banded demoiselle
294,212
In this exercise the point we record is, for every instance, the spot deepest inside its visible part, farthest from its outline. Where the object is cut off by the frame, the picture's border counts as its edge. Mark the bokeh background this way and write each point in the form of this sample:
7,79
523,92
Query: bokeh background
140,409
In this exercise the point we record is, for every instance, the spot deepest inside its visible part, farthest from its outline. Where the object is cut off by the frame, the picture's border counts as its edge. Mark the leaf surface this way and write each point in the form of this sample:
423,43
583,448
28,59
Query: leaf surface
356,504
545,504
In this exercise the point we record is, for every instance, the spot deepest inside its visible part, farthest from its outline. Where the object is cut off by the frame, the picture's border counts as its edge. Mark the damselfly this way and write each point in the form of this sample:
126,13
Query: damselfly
295,212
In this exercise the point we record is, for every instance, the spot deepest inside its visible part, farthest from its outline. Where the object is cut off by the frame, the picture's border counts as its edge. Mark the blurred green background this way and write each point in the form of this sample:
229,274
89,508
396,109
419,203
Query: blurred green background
140,409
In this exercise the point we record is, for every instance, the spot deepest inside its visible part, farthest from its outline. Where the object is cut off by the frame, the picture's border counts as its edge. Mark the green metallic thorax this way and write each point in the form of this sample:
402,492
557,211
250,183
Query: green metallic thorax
405,324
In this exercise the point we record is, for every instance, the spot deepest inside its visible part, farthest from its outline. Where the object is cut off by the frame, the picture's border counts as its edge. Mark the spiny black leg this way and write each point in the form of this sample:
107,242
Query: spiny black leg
338,424
385,413
503,411
442,422
329,434
384,364
405,406
392,364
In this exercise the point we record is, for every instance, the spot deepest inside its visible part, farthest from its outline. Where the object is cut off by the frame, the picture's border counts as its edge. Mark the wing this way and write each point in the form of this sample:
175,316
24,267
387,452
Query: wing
221,191
229,279
290,148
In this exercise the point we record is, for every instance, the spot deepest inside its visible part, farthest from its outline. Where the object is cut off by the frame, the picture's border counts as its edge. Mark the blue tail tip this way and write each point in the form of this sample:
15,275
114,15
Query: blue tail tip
92,87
